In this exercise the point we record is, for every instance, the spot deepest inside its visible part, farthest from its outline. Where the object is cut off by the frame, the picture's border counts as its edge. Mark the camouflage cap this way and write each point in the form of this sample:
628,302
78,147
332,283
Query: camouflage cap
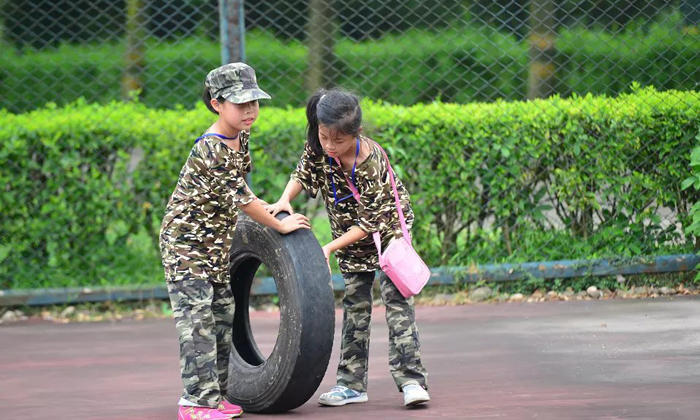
234,82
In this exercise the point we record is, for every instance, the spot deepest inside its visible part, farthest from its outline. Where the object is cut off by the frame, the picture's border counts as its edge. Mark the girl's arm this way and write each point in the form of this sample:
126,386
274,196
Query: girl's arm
348,238
304,177
291,191
257,212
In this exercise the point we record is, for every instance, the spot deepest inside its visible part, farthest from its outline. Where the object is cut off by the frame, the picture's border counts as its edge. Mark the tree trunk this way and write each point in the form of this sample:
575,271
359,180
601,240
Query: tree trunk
321,32
2,25
690,9
132,79
542,81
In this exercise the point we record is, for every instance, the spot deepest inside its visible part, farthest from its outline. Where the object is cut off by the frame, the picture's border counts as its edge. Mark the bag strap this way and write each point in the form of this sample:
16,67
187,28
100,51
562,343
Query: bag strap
356,194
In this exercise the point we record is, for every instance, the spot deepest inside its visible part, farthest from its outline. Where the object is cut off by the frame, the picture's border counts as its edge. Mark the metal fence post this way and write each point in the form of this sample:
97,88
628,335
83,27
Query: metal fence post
232,18
321,44
232,24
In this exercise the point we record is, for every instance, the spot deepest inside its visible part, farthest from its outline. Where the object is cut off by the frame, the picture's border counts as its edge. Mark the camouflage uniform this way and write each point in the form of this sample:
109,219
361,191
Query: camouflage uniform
376,212
200,218
359,262
203,313
195,241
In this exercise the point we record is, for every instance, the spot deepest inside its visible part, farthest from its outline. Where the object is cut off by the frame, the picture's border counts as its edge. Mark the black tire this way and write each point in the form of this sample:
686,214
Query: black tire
298,362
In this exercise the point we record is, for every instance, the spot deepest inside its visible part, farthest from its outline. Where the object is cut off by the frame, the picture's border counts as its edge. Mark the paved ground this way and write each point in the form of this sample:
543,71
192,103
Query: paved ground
635,359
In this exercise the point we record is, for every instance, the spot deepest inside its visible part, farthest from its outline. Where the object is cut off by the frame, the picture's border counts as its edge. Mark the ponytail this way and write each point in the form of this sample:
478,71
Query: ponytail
337,109
312,122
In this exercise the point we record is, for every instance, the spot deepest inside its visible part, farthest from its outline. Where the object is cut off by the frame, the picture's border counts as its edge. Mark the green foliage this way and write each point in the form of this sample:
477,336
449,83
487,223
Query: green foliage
694,181
86,185
462,64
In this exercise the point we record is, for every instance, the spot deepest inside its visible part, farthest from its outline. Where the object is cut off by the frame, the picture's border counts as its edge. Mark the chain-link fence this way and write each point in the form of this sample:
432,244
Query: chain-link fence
402,52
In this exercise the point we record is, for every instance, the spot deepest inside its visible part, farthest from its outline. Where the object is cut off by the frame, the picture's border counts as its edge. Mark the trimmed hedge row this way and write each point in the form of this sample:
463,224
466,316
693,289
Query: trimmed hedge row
85,185
458,65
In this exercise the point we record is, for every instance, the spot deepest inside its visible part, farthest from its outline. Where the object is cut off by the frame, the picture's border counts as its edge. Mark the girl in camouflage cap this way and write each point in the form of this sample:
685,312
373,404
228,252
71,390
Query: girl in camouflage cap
196,236
334,131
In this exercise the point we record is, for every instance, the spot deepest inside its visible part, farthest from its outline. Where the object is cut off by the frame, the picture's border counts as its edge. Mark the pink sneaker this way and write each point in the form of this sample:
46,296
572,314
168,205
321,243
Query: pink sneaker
200,413
231,410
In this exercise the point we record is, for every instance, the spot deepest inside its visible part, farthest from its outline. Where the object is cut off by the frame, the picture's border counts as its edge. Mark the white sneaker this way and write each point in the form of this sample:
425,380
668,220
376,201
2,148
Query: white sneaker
414,394
341,395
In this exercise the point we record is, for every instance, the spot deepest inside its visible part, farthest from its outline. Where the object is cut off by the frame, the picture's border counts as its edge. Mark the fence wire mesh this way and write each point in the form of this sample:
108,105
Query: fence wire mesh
570,204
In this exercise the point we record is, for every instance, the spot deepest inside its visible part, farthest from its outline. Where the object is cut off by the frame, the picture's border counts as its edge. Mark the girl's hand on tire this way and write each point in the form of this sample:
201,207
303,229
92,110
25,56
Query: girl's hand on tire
279,206
294,222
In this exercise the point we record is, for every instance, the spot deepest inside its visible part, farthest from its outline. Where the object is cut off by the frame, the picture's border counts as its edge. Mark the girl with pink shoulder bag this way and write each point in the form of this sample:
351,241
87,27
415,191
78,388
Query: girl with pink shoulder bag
369,211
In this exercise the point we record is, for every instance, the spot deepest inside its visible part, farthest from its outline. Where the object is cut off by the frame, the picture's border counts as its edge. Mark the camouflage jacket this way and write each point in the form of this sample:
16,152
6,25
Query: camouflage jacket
375,212
200,219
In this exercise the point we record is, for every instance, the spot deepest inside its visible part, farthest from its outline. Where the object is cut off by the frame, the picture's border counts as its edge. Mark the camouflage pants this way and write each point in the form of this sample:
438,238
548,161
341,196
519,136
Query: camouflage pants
404,346
203,313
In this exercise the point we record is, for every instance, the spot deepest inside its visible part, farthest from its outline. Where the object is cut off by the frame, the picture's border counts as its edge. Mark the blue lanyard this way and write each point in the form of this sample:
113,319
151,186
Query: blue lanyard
221,136
354,165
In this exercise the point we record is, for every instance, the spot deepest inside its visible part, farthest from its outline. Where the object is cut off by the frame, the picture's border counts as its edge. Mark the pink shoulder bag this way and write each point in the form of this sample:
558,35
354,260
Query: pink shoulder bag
399,261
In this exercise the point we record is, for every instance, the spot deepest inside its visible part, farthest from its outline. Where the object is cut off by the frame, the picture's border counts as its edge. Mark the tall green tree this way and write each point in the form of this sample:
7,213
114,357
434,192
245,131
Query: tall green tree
132,79
542,80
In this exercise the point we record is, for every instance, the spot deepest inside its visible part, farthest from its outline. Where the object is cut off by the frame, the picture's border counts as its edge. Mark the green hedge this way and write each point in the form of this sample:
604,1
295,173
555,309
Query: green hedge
80,209
693,181
458,65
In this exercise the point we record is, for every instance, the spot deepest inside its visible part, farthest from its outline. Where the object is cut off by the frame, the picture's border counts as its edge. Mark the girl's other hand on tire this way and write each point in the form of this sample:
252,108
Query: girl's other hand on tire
294,222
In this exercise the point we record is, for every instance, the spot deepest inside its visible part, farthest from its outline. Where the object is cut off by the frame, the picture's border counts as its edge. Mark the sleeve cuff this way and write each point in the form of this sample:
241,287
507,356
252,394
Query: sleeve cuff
366,227
244,198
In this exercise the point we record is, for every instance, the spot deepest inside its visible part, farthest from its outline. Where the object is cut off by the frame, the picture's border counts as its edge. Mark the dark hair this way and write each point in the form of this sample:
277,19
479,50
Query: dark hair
206,97
337,109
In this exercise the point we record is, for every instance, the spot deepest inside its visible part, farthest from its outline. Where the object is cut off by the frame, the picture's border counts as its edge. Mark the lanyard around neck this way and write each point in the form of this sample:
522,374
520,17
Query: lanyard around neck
221,136
354,165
